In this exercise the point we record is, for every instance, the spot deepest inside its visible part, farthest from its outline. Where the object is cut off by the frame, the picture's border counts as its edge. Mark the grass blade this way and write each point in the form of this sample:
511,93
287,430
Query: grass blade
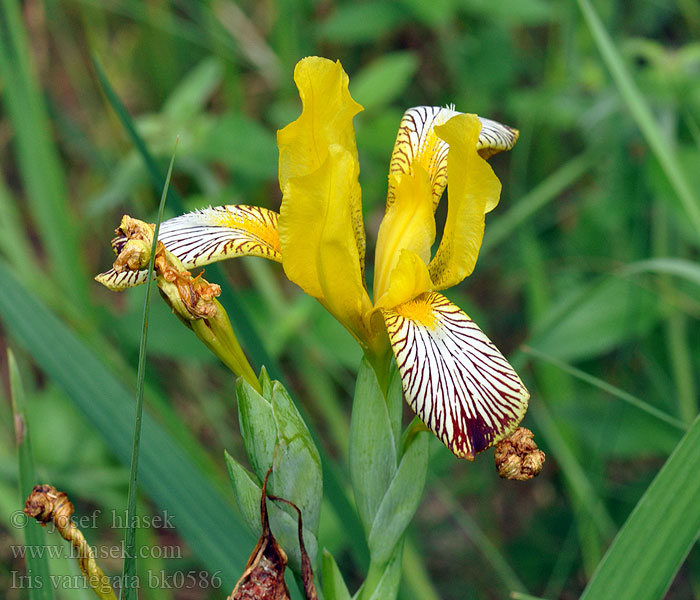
642,114
499,564
505,225
37,566
679,267
37,157
129,569
580,484
201,514
641,566
606,387
125,119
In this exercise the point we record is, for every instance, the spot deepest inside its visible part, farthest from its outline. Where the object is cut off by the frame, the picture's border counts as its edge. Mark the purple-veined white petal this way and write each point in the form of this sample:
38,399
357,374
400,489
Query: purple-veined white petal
453,377
206,236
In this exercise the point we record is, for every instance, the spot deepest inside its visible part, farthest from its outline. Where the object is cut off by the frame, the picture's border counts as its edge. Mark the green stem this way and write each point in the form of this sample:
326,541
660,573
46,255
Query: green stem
217,334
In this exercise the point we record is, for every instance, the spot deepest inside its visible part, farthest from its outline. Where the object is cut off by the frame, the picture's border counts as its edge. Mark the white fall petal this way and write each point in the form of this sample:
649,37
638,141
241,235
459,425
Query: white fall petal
453,377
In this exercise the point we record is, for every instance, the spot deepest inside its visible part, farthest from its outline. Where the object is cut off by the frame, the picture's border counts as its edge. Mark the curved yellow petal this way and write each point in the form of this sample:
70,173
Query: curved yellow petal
408,224
318,246
473,188
409,278
326,119
417,141
206,236
452,375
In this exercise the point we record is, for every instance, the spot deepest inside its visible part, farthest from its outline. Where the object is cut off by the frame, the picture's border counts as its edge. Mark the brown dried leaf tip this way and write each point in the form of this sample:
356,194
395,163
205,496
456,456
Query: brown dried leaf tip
517,456
47,505
263,578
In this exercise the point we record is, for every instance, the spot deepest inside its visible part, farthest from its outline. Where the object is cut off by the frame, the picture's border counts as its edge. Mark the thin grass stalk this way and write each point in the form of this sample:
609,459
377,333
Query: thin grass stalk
129,568
607,387
639,108
37,565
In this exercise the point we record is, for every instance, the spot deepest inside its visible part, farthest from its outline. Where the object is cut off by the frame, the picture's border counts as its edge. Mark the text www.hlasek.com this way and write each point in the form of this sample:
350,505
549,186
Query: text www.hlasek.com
117,551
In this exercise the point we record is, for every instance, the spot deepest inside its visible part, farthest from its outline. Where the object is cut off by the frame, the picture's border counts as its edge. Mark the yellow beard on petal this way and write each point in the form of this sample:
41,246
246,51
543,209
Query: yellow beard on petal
418,310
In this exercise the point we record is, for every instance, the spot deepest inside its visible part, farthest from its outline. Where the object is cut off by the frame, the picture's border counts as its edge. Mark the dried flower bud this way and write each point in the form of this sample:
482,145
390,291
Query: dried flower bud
190,297
517,456
47,505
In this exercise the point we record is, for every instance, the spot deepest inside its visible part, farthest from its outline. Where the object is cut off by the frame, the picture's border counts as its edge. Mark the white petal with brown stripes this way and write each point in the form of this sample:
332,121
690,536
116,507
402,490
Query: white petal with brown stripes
453,376
416,129
416,140
208,235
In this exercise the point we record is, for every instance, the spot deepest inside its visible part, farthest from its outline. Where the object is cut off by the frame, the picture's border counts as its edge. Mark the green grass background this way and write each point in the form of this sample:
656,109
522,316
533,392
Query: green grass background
588,277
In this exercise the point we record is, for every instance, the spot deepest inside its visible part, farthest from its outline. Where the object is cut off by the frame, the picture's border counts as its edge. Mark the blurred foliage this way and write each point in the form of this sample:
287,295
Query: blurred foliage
584,202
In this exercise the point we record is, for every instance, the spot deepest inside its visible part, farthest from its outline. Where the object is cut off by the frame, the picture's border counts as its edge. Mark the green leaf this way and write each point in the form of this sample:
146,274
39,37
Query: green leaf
400,501
355,23
652,544
109,407
394,404
506,223
283,525
254,148
610,389
37,566
195,89
517,12
435,14
372,449
297,473
334,587
384,80
389,578
247,493
595,318
37,156
258,427
265,383
642,114
127,122
679,267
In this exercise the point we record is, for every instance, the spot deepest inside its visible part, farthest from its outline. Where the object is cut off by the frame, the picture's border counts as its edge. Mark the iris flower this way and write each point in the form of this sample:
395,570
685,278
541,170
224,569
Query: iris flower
452,376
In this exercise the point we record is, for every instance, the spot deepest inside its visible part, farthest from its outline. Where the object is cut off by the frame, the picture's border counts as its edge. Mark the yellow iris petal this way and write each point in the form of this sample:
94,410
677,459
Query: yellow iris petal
409,278
318,246
473,190
326,119
408,224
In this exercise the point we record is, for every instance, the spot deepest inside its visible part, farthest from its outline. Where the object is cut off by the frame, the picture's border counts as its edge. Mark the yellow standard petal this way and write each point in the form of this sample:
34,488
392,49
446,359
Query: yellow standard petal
318,246
473,188
408,224
325,120
453,377
206,236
